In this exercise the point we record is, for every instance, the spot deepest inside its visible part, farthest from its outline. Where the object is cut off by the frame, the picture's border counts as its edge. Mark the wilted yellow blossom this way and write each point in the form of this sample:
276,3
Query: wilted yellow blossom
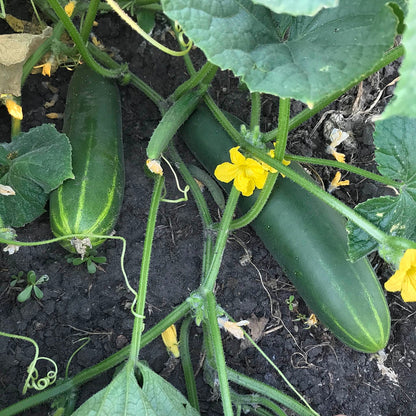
14,109
337,137
234,328
336,182
170,339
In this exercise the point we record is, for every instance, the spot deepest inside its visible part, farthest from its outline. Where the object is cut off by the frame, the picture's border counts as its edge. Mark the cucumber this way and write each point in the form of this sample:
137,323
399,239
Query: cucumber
309,240
170,123
90,203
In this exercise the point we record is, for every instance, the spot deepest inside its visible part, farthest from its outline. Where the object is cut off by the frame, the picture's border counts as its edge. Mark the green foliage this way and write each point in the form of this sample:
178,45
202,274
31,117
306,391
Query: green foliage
90,259
396,159
125,397
32,285
296,8
305,58
33,164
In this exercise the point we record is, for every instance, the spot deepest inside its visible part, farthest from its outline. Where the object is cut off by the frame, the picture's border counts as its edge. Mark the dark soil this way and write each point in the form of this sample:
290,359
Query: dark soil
332,377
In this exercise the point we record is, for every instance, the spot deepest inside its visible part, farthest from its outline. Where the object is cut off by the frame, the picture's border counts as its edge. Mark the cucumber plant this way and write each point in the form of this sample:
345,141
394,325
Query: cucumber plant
282,49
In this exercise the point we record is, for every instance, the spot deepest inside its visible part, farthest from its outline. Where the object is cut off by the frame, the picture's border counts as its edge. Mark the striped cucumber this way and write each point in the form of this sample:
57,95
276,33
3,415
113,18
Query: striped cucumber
90,203
309,241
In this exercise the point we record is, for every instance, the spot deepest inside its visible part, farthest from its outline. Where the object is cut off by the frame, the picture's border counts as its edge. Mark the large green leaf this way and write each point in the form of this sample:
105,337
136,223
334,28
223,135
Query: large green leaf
297,8
396,157
404,102
122,397
313,58
165,399
33,164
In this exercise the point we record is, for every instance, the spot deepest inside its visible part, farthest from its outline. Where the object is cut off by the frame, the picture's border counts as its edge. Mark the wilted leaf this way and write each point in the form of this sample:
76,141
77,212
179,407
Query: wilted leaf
15,49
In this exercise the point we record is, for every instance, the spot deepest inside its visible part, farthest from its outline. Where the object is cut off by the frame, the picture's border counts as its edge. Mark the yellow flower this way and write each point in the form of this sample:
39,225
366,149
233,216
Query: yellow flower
336,182
69,8
14,109
171,341
247,173
404,279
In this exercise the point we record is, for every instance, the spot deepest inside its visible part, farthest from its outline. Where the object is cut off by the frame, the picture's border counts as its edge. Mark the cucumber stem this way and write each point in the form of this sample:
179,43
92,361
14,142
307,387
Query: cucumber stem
255,110
209,279
89,19
344,166
138,325
82,48
218,351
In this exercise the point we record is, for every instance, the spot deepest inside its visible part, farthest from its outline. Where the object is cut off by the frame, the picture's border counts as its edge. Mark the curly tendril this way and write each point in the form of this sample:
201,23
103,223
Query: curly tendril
32,380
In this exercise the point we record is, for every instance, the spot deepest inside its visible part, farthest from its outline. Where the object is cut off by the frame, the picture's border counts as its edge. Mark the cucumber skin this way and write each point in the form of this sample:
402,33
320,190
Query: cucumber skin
90,203
309,240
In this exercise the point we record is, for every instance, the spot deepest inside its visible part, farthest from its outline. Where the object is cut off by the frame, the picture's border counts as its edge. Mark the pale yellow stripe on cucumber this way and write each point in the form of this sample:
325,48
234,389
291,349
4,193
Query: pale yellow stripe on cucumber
357,319
61,221
109,203
83,191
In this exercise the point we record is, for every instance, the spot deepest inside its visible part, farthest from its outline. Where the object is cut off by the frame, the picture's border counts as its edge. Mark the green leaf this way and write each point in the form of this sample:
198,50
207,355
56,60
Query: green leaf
31,277
24,295
404,101
33,164
396,159
299,7
164,398
146,19
38,292
313,58
122,397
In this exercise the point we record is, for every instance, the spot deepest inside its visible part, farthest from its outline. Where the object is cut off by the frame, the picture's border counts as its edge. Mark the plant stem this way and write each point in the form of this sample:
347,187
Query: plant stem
215,336
223,120
208,282
58,30
144,270
82,48
94,371
333,202
89,19
187,368
268,391
306,114
282,129
281,140
344,166
255,110
129,78
194,81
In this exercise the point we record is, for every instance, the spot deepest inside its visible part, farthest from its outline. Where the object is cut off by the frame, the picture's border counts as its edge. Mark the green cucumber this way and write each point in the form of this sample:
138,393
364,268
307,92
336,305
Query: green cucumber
170,123
309,240
90,203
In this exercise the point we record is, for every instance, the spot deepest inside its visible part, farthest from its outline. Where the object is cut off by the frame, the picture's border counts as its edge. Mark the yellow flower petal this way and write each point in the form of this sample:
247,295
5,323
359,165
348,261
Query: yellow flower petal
404,279
409,289
14,109
236,157
244,184
394,284
340,157
170,339
226,172
69,8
